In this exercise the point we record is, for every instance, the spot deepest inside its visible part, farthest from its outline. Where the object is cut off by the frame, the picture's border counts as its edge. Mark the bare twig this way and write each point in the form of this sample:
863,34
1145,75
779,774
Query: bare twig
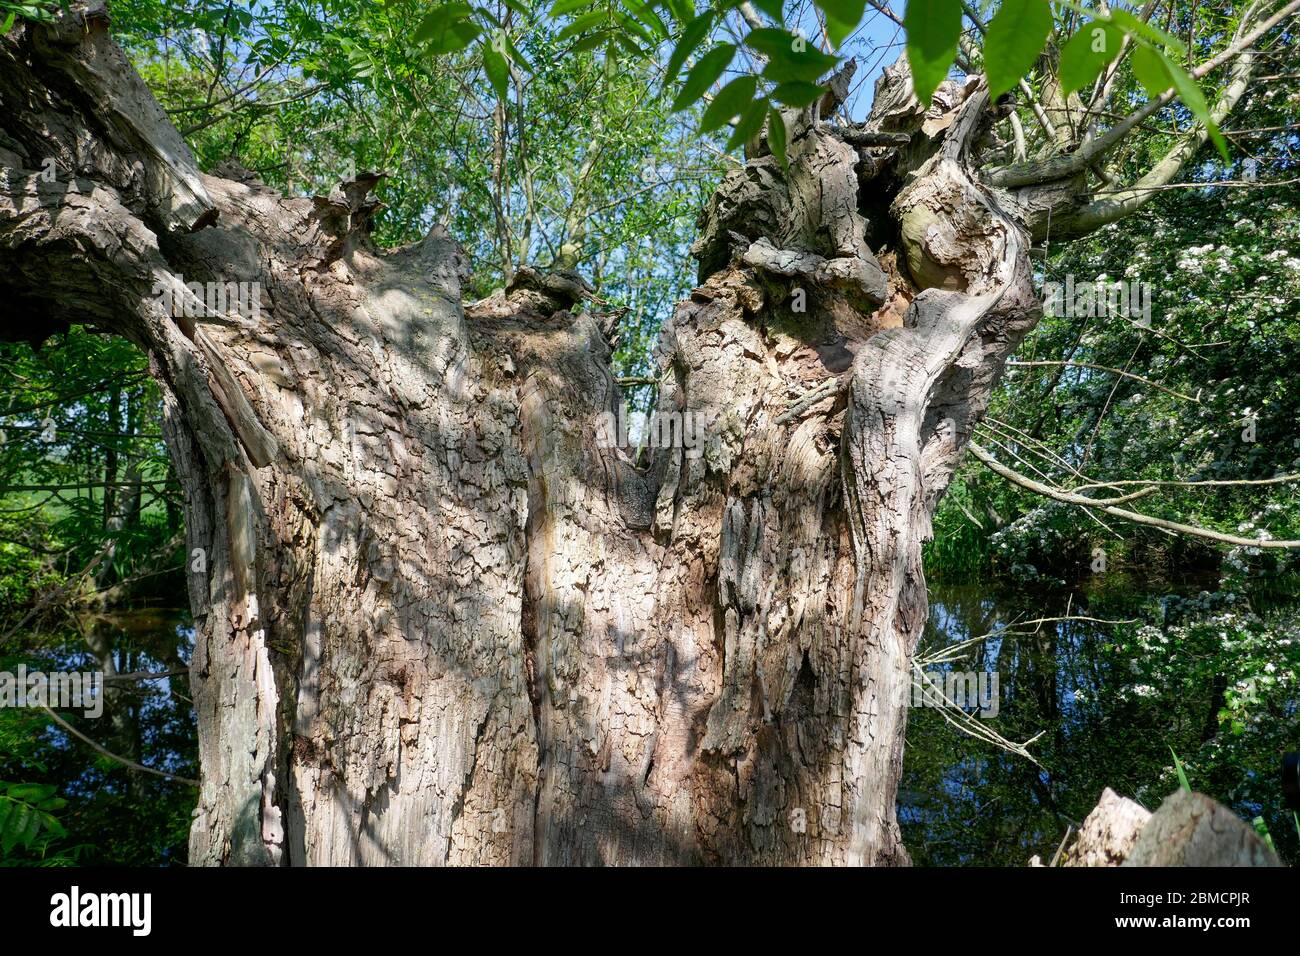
112,756
1055,493
1113,371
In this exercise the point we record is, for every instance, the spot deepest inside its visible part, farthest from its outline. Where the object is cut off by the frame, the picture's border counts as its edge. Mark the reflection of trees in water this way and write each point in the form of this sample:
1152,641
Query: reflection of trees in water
116,814
961,801
964,801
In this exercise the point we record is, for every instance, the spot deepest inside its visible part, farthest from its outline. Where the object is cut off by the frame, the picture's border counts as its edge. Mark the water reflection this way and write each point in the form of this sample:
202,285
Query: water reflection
115,814
965,801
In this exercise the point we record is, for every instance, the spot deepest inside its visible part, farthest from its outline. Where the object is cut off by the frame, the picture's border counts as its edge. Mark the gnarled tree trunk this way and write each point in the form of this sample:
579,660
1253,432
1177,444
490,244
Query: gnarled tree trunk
438,620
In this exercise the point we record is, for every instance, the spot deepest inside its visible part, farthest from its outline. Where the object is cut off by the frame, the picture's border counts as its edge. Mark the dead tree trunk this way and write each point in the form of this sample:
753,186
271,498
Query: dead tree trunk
438,621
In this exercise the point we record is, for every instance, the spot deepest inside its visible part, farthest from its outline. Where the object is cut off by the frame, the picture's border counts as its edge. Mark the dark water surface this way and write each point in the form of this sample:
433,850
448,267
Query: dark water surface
968,802
963,801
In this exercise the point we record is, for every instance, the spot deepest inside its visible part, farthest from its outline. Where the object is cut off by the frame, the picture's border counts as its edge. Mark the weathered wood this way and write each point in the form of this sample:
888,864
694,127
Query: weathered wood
1190,829
857,136
1108,832
439,621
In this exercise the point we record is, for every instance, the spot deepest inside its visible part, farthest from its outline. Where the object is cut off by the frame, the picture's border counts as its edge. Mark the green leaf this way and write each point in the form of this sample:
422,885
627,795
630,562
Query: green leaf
1182,775
750,122
691,38
783,44
703,75
773,8
1140,28
627,43
584,23
562,7
31,792
770,41
461,35
591,41
1086,54
514,54
789,57
1015,38
776,135
15,827
1261,828
1149,68
447,28
682,10
842,17
797,94
632,27
518,8
53,825
933,28
798,68
646,15
1194,100
435,21
489,16
498,72
731,100
847,11
31,827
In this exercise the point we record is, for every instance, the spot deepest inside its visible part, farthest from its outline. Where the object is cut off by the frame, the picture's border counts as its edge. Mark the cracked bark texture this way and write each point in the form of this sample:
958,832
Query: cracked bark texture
438,621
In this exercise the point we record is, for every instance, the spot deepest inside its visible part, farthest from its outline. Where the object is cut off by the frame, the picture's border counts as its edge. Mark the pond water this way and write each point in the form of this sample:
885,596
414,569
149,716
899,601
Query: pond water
963,801
1070,684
